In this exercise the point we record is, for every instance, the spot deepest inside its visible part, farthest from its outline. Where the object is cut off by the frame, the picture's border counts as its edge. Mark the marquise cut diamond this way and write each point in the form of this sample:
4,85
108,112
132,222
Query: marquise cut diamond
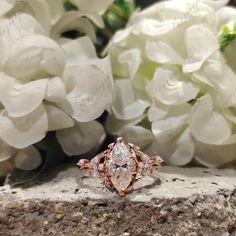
121,166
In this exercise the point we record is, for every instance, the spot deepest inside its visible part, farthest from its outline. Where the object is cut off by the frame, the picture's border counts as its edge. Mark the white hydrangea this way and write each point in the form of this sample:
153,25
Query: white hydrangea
175,91
49,83
52,16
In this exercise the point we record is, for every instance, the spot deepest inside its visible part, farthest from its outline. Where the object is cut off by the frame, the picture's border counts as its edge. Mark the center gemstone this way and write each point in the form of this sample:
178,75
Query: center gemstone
121,166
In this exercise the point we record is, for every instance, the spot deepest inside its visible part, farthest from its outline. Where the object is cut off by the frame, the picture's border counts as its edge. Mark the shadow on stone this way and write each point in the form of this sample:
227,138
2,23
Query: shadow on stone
48,176
97,187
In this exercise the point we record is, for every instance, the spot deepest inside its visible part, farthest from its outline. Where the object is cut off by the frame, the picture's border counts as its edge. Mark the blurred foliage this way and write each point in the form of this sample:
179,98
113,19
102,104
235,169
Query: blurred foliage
115,18
69,6
228,35
118,14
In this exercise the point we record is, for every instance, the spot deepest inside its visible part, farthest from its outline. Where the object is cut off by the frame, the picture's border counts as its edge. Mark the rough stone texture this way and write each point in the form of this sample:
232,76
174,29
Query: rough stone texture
177,201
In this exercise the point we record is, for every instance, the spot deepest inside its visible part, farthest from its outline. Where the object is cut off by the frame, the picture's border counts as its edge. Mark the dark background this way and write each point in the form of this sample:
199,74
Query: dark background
145,3
233,2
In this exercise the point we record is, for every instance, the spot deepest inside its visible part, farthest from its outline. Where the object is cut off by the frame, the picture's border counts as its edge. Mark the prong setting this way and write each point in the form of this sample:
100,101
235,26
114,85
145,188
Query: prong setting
122,165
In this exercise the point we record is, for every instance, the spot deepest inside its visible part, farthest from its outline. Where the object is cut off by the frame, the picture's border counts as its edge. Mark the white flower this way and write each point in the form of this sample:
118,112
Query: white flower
93,9
174,88
47,84
54,19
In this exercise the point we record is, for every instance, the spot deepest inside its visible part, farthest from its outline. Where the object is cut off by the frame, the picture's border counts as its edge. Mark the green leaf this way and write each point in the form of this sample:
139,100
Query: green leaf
68,5
117,15
227,36
115,18
52,155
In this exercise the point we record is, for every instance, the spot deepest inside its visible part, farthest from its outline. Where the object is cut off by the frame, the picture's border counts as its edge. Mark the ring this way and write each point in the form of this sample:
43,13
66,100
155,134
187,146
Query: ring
120,166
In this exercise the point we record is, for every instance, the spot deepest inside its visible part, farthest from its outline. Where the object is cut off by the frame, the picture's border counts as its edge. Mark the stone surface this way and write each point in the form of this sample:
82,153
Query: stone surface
177,201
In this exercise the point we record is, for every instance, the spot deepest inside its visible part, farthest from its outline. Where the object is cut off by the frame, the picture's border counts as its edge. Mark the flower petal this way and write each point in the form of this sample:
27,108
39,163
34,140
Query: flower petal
21,99
6,151
140,82
229,55
56,90
226,14
56,10
119,37
41,11
35,56
105,65
24,131
225,87
28,159
180,11
210,69
161,52
206,125
132,58
81,138
198,52
94,17
6,6
57,119
170,128
137,134
178,151
153,28
79,50
219,80
14,28
113,125
169,88
89,92
230,114
159,111
125,105
212,156
94,6
215,4
73,20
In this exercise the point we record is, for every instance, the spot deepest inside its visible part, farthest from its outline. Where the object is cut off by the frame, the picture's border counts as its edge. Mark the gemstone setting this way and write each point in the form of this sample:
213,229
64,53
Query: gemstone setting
121,166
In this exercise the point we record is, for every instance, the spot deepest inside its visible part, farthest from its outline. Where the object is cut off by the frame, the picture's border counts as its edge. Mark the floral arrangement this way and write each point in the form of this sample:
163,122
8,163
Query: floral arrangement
167,81
49,82
175,81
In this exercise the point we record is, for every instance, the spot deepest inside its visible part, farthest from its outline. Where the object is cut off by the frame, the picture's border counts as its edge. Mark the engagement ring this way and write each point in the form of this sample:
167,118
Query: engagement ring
120,166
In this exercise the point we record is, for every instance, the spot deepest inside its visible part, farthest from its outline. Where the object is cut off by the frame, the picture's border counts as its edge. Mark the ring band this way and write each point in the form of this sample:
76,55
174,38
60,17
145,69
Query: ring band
120,166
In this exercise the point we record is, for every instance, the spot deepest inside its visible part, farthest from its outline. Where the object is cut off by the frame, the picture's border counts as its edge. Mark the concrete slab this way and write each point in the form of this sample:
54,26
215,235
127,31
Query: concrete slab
176,201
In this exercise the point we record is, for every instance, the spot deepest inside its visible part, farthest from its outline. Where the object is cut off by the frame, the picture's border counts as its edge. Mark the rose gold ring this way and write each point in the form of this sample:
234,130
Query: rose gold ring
120,166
